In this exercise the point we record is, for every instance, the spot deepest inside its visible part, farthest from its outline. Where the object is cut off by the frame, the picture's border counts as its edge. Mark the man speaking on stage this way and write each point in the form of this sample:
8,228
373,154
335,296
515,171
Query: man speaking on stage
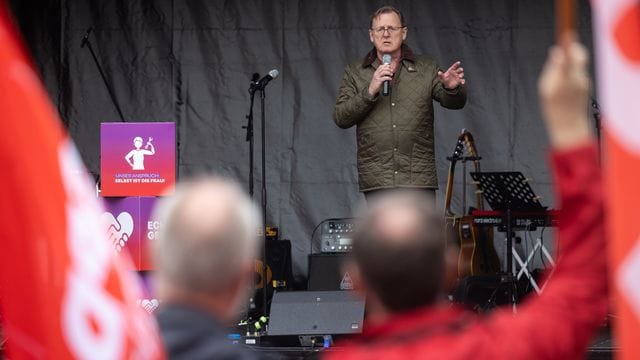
388,96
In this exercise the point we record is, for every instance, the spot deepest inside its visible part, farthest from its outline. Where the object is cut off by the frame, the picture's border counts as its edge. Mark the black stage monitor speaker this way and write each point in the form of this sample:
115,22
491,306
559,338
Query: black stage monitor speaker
326,273
316,313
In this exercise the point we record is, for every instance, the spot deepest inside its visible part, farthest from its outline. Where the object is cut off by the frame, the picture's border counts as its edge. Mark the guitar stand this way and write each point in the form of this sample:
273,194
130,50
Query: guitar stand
464,160
508,191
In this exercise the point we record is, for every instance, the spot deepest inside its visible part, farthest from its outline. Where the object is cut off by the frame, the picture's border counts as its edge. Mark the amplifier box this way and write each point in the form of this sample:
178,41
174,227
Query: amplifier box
327,273
336,235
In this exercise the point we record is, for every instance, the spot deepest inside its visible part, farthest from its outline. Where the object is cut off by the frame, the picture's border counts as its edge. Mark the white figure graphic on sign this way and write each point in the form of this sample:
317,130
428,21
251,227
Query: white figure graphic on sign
135,157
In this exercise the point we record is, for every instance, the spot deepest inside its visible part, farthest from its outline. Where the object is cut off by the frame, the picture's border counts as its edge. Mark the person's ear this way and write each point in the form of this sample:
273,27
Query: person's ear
240,288
450,267
375,309
404,33
371,37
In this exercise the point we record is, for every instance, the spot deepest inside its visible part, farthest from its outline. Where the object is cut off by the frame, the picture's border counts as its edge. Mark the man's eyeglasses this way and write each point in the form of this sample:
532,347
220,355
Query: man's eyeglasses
391,29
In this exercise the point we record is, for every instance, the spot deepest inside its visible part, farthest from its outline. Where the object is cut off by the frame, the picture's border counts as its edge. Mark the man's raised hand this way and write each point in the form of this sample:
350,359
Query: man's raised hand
453,77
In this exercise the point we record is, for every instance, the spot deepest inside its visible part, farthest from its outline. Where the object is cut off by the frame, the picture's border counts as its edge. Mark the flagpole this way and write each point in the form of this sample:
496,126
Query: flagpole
565,18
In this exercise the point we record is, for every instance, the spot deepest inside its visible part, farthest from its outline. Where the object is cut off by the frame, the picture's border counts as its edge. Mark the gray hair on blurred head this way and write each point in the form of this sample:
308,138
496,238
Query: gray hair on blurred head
208,234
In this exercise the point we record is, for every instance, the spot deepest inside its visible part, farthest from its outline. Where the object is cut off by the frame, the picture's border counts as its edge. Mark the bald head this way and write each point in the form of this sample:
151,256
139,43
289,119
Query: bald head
208,237
397,220
399,250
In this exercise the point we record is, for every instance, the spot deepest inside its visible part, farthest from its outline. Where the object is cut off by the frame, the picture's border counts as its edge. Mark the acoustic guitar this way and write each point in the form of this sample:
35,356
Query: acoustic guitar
477,254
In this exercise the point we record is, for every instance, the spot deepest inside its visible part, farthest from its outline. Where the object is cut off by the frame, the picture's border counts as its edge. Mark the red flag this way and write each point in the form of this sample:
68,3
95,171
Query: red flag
617,32
63,292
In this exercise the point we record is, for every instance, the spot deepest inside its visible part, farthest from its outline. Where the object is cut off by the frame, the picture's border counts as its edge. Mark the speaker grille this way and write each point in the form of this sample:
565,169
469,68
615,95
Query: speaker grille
316,313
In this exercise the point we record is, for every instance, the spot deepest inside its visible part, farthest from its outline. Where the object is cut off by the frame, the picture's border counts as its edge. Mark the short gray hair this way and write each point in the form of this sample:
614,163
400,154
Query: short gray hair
201,250
387,9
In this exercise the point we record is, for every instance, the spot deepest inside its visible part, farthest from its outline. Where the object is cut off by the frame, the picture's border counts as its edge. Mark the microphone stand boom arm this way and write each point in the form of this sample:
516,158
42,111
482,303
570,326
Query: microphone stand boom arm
86,42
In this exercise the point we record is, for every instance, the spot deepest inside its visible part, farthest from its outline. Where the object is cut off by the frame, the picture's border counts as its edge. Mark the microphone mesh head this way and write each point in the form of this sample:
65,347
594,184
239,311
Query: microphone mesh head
274,73
386,59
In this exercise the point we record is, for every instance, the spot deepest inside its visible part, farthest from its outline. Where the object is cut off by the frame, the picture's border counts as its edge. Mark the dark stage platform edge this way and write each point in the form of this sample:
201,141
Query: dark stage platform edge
602,348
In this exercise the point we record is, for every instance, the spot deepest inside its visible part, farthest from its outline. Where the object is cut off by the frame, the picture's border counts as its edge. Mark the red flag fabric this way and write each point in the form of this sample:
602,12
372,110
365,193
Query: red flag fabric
617,34
63,293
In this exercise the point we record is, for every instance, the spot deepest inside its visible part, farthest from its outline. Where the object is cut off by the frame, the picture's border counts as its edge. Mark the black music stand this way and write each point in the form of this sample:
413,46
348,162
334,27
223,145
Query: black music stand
508,191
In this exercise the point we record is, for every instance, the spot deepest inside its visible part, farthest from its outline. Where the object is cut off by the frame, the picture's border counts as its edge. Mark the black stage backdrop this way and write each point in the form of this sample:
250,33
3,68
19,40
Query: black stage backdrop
191,61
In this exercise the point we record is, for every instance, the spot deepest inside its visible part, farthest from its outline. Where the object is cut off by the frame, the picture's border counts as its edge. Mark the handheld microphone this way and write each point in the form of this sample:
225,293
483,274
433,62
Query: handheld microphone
265,80
386,86
85,38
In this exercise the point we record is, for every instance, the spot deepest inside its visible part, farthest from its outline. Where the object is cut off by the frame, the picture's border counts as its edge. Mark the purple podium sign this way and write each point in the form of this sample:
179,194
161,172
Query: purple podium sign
138,159
130,226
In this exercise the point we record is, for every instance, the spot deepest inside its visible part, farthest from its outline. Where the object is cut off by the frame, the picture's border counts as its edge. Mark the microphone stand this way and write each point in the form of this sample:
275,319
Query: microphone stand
255,86
87,43
264,201
252,92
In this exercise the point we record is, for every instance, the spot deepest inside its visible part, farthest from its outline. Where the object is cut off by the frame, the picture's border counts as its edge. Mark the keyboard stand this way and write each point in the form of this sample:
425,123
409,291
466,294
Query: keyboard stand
508,191
524,265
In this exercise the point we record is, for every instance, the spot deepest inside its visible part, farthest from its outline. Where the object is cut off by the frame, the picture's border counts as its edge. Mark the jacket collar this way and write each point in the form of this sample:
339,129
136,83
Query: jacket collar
405,54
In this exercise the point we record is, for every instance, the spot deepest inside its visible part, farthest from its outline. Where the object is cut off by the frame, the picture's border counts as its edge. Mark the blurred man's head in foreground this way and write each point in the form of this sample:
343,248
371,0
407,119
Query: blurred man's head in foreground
205,251
399,251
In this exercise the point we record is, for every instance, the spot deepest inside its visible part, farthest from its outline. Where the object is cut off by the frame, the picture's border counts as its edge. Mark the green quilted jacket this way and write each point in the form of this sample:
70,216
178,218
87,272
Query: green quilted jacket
395,132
